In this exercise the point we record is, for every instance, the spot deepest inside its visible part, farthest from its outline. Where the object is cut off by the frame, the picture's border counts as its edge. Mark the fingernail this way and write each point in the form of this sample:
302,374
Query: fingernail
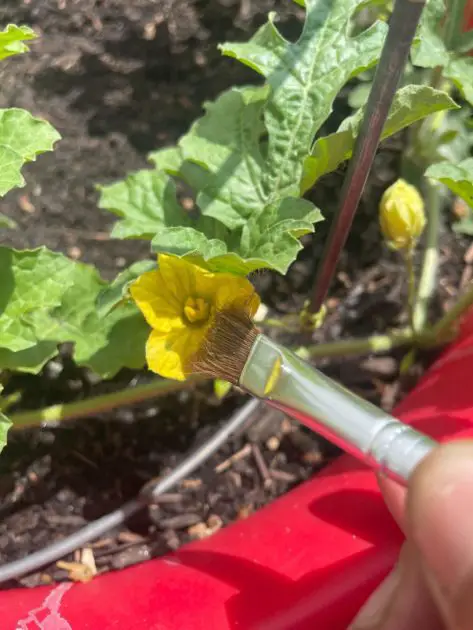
440,506
374,610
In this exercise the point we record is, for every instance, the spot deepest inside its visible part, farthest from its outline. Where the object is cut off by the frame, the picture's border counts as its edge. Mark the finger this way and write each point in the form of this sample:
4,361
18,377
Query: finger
440,521
394,496
403,601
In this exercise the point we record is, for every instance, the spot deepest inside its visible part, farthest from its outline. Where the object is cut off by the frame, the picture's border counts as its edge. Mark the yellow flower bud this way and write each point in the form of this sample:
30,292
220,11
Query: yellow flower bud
401,215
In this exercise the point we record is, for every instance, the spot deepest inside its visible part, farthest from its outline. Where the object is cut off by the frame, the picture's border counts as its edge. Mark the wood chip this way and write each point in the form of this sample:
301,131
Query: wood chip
129,537
169,497
199,531
214,523
101,543
282,475
241,454
245,511
344,278
87,558
82,571
74,252
191,484
468,257
261,465
273,443
313,458
26,205
287,426
467,274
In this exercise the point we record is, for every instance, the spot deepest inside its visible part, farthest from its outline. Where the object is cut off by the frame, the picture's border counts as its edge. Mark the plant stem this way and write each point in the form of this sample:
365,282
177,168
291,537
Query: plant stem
411,283
375,343
284,323
443,327
430,260
98,404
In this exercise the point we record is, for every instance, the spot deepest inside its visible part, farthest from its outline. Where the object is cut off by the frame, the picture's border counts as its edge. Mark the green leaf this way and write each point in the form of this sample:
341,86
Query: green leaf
33,283
117,291
221,388
127,333
305,77
430,50
47,299
458,177
411,103
268,241
239,229
31,360
5,424
144,200
103,343
22,138
225,143
244,157
12,38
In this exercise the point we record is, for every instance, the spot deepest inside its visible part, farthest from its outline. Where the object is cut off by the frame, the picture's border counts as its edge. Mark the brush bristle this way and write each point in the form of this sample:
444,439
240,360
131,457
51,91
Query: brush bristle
227,346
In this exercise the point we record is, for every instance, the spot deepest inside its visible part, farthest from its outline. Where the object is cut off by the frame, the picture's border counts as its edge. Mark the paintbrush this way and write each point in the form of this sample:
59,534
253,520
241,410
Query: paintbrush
236,351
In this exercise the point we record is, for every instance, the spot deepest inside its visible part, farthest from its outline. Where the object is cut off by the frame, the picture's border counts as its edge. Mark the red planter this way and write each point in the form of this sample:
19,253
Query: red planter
307,561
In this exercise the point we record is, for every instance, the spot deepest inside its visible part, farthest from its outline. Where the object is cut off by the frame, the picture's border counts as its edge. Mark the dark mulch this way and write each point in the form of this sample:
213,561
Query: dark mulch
119,79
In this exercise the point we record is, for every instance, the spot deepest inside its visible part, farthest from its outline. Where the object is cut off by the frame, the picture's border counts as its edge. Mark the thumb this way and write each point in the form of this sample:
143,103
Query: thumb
440,522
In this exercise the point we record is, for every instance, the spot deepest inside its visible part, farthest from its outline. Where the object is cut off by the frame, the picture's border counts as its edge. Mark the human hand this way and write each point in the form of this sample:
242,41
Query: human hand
431,587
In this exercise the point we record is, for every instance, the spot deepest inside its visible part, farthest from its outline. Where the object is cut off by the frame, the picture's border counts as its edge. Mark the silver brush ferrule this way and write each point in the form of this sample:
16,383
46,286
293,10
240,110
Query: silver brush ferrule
355,425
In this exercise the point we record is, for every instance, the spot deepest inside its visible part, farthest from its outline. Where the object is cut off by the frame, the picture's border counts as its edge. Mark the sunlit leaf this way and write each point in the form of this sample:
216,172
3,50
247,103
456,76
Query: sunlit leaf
430,50
5,424
12,38
411,103
244,158
47,299
22,138
458,177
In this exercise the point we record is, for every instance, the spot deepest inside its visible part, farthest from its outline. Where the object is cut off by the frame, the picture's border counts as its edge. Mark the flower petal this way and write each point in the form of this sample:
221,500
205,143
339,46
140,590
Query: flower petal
178,275
168,354
235,292
161,310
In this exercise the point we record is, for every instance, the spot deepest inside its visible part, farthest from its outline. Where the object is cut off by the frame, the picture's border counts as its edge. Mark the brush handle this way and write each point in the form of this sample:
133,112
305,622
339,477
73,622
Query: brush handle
276,375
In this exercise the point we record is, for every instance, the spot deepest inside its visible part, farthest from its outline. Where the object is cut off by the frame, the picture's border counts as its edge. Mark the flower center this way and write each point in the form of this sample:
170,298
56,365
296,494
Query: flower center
196,310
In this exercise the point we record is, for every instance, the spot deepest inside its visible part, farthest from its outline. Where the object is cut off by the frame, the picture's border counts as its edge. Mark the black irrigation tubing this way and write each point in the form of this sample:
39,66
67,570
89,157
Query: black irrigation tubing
147,495
402,27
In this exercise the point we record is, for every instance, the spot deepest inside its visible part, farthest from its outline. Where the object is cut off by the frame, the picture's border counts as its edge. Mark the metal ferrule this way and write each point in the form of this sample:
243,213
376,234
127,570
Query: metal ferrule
276,375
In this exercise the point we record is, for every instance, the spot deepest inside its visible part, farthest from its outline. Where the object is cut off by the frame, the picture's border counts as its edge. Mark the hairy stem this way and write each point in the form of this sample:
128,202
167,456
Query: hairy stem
375,343
97,404
411,283
289,324
430,260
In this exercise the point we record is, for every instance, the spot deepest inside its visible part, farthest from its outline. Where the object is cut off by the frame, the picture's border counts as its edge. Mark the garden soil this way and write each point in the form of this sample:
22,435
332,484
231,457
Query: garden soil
119,79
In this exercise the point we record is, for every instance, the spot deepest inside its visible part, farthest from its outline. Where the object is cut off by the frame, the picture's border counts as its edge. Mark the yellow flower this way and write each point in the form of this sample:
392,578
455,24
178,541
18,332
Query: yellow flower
401,215
179,301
